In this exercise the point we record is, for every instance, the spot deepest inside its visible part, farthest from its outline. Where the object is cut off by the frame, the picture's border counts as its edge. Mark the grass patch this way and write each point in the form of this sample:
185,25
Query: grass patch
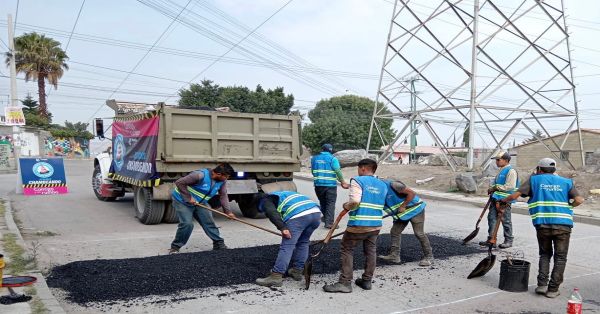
45,233
37,306
19,263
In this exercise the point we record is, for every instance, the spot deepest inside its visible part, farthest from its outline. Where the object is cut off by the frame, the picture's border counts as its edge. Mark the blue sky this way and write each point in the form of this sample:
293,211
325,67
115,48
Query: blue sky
344,39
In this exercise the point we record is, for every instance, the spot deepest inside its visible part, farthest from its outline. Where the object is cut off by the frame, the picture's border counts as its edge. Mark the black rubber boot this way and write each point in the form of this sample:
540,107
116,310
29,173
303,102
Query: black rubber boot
219,245
366,285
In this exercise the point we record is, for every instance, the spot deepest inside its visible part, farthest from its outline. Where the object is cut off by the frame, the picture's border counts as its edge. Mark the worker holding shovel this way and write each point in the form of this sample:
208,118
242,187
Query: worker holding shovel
551,202
409,208
365,210
297,217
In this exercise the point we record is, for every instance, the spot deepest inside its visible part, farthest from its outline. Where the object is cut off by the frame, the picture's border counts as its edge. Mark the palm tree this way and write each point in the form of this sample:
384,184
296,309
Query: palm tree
39,57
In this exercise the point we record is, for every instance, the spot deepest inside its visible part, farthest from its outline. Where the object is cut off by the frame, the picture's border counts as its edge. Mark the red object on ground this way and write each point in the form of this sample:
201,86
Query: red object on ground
574,304
18,281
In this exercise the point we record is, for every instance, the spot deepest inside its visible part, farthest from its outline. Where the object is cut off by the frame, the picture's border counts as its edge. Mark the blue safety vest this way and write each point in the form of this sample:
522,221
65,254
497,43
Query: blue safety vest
202,191
322,170
501,180
393,201
291,204
549,200
370,210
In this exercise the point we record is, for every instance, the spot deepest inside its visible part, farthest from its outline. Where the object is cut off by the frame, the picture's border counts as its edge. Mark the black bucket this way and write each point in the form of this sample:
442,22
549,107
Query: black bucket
515,277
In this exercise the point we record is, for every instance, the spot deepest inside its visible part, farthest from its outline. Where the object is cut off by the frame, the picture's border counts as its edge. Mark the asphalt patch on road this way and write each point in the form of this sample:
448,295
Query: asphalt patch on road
125,279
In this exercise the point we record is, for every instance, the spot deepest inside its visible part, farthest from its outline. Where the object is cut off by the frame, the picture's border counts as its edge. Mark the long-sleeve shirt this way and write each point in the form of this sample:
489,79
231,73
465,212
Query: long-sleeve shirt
269,207
354,199
511,180
335,165
195,178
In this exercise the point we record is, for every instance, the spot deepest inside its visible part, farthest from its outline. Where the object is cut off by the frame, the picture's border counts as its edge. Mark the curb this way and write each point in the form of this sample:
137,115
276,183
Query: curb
518,208
43,292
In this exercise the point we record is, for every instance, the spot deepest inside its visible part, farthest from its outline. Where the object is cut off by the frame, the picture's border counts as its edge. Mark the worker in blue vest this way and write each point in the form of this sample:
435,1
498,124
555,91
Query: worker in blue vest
551,202
406,206
365,211
198,188
326,172
505,183
297,217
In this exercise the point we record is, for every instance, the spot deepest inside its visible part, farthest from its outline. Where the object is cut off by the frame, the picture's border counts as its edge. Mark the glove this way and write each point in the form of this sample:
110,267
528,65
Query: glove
491,190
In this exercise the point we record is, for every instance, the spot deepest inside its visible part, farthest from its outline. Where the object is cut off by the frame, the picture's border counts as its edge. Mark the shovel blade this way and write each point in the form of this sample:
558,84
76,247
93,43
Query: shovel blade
483,267
308,272
471,236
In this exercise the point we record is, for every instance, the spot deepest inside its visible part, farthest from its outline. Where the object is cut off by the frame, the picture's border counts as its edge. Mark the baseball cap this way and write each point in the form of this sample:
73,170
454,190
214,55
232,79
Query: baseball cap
547,162
327,147
502,155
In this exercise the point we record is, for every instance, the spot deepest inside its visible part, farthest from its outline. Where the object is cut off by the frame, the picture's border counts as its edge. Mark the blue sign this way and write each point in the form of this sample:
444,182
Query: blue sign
43,176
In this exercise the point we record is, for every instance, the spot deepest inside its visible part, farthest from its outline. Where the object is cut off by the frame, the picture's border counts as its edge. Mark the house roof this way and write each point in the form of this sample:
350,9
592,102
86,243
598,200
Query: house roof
593,131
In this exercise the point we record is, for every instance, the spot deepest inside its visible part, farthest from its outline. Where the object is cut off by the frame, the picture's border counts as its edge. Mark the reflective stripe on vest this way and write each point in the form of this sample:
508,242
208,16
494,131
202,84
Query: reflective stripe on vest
393,201
501,180
202,192
549,202
291,204
322,170
370,210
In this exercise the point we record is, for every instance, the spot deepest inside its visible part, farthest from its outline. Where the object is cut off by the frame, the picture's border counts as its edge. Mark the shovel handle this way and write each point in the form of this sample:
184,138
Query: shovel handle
485,208
330,233
239,220
496,227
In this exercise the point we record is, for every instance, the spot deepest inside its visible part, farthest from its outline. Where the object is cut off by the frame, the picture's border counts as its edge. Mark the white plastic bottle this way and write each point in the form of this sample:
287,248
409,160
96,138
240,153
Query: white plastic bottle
574,304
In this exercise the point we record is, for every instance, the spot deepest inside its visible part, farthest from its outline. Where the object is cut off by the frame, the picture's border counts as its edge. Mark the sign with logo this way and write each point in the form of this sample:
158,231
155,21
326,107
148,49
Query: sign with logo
14,116
134,149
43,176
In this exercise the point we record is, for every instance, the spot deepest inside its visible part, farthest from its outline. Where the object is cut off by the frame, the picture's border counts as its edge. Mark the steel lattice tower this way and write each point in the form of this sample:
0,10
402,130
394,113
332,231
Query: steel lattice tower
486,69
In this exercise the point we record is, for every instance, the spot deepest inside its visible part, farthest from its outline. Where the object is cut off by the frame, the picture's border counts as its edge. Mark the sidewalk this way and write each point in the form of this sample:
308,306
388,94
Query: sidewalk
586,216
43,301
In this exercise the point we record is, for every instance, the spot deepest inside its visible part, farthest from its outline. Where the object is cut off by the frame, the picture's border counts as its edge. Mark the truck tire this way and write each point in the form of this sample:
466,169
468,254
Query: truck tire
170,216
147,211
248,206
97,183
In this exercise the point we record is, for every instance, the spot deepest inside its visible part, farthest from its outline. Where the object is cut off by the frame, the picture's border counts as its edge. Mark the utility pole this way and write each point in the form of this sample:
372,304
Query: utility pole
14,102
473,99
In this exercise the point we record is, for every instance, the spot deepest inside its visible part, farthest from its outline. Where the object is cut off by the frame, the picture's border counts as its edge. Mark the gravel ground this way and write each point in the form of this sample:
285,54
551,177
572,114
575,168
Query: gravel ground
124,279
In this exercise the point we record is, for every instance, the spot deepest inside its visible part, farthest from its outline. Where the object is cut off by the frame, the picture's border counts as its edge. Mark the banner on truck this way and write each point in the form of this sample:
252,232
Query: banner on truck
134,149
43,176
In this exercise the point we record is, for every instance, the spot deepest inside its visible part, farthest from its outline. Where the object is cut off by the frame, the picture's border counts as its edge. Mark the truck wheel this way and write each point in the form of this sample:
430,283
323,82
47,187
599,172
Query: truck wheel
97,184
147,211
249,206
170,216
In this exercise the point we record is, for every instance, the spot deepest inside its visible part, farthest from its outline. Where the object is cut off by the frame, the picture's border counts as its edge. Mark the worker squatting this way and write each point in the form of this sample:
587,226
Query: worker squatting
296,216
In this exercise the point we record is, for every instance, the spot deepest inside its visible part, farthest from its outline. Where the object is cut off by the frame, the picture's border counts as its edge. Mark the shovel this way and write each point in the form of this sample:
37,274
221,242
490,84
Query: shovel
309,262
474,233
487,263
239,220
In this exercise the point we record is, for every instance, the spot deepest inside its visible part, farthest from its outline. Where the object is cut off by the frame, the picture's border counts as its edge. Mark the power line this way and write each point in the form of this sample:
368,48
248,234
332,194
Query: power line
74,25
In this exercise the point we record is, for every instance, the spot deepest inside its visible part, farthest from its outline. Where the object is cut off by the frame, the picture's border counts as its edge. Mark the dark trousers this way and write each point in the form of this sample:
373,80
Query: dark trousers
418,225
327,196
506,222
549,239
349,242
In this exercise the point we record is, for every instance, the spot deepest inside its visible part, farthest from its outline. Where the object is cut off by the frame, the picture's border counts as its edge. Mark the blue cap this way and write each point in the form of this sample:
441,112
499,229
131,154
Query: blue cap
327,148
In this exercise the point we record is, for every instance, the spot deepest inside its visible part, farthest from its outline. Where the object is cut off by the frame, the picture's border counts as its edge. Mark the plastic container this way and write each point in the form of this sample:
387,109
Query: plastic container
514,276
575,303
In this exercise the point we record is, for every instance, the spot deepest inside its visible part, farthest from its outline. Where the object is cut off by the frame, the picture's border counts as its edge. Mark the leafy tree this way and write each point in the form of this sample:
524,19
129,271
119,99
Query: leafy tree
77,129
32,115
538,133
238,98
39,58
343,121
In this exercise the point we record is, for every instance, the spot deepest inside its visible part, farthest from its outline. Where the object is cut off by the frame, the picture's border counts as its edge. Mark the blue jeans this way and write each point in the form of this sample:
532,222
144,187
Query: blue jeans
186,214
506,222
296,248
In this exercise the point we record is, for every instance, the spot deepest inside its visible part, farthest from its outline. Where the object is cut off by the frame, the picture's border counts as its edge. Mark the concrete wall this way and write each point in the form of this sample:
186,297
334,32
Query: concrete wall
529,155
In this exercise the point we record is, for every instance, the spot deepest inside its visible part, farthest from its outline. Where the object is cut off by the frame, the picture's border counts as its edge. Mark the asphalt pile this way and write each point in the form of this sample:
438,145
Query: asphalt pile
125,279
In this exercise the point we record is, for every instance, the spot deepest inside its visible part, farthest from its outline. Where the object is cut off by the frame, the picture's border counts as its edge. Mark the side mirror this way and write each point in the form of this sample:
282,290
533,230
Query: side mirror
100,128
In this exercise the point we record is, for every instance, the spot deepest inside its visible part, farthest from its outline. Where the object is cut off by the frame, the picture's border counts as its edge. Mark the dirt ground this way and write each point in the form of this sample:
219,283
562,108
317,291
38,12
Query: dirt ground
444,179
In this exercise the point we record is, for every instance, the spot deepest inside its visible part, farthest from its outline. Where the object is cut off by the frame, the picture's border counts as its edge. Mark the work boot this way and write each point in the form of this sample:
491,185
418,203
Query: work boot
366,285
338,287
541,290
296,273
393,257
273,280
425,262
219,245
173,250
552,294
505,245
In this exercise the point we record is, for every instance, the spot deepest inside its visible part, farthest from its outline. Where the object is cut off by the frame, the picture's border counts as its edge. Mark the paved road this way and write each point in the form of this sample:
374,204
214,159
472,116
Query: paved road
89,229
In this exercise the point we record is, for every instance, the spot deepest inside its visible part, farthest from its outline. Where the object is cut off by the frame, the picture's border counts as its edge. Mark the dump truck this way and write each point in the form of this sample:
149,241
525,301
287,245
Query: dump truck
154,145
